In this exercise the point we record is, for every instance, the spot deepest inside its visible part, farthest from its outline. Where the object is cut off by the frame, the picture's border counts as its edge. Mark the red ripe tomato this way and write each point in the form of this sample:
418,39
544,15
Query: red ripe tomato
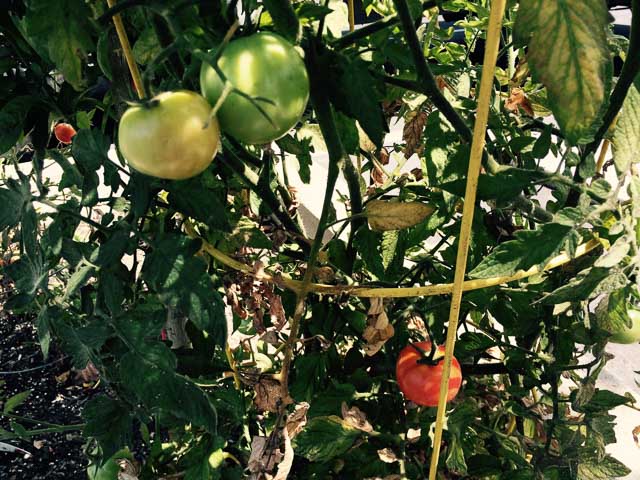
64,133
420,382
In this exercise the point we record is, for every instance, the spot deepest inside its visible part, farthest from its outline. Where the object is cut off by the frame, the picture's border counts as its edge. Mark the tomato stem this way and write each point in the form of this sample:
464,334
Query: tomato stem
427,358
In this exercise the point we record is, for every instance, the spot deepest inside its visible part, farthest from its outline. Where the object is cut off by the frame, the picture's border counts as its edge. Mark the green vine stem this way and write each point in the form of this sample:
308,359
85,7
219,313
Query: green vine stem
426,81
44,431
337,157
352,176
234,157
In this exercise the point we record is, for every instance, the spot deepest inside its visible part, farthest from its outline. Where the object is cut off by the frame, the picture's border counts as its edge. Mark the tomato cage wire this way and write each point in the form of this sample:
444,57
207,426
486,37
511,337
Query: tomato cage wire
459,285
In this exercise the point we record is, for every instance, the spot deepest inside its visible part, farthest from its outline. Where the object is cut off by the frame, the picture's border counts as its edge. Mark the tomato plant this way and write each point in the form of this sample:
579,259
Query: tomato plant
265,66
419,376
173,136
245,315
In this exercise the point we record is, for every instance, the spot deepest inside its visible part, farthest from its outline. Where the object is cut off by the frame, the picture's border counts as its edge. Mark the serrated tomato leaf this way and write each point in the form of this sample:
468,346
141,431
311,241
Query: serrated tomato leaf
568,53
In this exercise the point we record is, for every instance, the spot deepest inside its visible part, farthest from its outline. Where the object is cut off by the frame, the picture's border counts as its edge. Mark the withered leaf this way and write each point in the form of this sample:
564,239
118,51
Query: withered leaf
412,132
518,100
268,394
384,215
354,417
387,455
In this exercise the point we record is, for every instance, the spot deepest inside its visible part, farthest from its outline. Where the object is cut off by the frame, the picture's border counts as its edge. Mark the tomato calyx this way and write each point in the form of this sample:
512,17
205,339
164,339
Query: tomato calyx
147,103
427,358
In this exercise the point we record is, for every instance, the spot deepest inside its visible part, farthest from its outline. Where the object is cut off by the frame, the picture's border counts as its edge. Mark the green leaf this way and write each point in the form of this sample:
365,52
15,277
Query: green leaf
149,373
11,211
15,401
181,280
79,279
310,371
146,47
367,245
504,185
325,438
193,198
284,18
60,31
71,176
12,117
589,283
543,143
43,326
301,148
603,401
568,53
348,133
89,150
81,343
612,313
108,421
354,92
626,138
604,468
531,248
388,247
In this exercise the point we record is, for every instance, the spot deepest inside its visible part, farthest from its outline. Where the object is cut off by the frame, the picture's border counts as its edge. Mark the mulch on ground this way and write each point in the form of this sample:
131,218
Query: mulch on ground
57,397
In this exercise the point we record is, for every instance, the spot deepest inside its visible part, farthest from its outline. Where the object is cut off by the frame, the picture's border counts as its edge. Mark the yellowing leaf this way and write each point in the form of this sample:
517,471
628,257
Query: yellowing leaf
568,54
386,215
626,139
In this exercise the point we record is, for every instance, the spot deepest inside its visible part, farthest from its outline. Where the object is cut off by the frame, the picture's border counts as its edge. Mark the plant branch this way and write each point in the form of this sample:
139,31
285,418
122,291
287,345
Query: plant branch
233,158
370,29
426,81
352,176
337,157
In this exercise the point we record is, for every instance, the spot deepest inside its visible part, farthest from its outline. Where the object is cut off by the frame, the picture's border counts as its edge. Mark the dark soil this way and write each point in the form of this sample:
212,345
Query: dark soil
54,400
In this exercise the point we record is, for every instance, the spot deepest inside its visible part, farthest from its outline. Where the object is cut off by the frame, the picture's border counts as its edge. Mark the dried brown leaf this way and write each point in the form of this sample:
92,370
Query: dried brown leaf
518,100
412,132
268,394
297,419
387,455
88,374
354,417
263,457
384,215
129,469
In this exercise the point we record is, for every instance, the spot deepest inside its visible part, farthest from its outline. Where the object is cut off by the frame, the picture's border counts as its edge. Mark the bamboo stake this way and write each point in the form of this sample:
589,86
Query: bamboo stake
352,16
128,53
475,161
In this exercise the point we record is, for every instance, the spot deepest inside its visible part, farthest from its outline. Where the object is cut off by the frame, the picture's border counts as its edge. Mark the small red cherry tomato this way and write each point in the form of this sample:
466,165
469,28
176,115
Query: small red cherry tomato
64,133
420,382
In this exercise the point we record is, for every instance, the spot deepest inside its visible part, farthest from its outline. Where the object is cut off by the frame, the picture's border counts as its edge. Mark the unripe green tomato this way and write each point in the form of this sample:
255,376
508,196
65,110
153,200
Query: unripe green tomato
628,335
262,65
173,137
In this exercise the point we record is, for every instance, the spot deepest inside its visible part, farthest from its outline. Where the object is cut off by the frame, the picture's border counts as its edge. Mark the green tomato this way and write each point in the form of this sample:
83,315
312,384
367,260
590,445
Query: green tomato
628,335
262,65
172,137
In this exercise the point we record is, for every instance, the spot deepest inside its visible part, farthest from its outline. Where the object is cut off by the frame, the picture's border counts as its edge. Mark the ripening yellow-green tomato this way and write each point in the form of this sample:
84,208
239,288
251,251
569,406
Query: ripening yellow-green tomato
173,136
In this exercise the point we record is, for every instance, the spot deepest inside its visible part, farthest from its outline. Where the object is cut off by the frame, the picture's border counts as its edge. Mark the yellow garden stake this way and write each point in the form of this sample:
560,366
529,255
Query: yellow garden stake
475,160
128,53
352,16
